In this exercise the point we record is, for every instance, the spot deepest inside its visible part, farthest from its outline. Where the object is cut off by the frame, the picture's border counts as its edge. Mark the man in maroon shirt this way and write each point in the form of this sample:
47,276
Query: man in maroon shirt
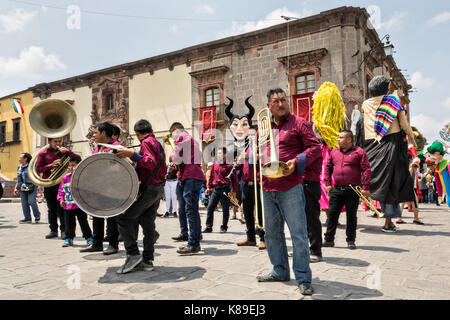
284,199
218,186
346,163
103,132
150,164
188,157
46,160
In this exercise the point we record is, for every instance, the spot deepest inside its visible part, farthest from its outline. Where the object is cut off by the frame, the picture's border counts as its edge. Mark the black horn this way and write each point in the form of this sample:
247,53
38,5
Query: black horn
228,109
251,109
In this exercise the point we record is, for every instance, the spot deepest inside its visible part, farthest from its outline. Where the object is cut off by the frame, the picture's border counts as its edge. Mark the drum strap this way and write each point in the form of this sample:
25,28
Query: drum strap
143,188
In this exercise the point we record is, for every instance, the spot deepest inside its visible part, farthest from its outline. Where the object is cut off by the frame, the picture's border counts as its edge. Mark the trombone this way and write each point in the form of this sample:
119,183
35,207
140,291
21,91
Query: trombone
368,201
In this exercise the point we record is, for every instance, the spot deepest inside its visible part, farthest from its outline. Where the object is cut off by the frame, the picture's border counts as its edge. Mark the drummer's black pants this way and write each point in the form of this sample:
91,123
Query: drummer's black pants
98,229
145,207
312,208
54,209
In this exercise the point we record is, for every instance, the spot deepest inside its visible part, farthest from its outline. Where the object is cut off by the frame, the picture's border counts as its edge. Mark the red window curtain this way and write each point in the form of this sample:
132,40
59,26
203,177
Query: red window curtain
207,123
302,105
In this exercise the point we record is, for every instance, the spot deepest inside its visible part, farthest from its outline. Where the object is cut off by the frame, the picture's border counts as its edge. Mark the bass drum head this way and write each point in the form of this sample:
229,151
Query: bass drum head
104,185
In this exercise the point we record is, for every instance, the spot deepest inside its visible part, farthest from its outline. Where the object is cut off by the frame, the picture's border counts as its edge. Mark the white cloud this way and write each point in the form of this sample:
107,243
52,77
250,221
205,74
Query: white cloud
395,22
204,9
446,103
16,20
419,81
31,63
428,126
438,19
270,19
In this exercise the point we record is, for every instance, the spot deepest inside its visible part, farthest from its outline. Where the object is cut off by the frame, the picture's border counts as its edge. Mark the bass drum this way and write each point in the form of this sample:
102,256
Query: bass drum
104,185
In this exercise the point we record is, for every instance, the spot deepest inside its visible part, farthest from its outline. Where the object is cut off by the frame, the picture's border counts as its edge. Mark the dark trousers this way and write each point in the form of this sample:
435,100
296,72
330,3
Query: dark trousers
54,209
217,195
145,207
188,193
424,195
312,209
338,198
248,206
98,227
70,222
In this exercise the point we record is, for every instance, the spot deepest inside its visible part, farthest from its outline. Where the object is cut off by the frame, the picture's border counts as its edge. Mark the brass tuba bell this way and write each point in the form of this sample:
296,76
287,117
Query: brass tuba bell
51,118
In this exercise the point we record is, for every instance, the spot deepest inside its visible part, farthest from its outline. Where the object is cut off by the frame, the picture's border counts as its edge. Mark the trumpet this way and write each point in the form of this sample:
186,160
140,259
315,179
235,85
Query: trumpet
368,201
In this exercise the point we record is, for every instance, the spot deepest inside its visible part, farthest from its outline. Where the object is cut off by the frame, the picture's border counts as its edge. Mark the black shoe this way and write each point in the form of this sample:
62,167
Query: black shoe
180,237
267,278
223,230
146,265
67,243
24,221
306,289
156,238
328,244
51,235
188,250
313,258
37,220
92,249
166,215
130,263
207,230
351,245
110,250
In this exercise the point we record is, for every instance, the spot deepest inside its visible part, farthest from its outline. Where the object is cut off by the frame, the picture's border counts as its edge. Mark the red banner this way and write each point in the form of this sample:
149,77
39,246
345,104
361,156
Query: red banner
302,105
207,123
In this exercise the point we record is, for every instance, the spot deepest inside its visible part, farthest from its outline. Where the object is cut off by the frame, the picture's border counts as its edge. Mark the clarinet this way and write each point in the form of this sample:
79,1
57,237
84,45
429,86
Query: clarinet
228,177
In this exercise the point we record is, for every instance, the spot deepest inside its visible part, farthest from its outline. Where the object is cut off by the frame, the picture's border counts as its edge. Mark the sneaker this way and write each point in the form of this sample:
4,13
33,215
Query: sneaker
328,244
91,248
166,215
313,258
130,263
188,250
262,245
268,278
351,245
89,241
37,220
181,237
418,222
223,230
146,265
207,230
25,221
175,215
51,235
246,243
110,250
306,289
389,229
68,243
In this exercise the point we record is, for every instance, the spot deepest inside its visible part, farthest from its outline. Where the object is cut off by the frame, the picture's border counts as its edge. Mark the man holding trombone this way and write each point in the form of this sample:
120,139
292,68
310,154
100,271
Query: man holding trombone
346,163
283,195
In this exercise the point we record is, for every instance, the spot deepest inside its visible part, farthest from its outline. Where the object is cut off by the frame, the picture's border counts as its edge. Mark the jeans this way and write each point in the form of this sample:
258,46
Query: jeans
217,195
29,199
430,195
145,207
289,207
188,193
54,209
98,227
69,216
312,209
248,206
338,198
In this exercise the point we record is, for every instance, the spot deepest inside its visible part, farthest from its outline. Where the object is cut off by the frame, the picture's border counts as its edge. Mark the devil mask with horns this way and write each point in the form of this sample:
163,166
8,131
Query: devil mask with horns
240,124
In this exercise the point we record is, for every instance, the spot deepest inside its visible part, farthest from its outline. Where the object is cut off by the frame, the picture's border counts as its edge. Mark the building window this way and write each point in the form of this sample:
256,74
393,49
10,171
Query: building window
2,132
109,102
306,83
212,97
16,130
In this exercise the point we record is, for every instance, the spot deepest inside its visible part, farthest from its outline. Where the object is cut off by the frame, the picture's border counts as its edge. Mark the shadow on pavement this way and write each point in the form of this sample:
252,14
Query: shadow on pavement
334,290
7,227
158,275
404,232
344,262
215,242
219,252
100,256
375,248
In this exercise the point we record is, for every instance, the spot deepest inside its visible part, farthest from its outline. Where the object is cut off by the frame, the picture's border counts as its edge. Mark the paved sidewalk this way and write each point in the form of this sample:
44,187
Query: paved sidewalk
410,264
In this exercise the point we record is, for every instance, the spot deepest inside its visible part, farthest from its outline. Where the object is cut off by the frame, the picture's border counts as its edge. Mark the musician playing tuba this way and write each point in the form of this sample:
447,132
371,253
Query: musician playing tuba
283,197
47,160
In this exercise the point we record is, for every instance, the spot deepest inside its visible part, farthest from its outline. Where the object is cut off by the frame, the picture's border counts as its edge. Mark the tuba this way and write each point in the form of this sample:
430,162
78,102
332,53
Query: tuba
51,118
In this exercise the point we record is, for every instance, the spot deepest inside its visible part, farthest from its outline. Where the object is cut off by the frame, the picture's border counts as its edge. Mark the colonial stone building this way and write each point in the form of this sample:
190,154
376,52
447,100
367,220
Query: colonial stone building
338,45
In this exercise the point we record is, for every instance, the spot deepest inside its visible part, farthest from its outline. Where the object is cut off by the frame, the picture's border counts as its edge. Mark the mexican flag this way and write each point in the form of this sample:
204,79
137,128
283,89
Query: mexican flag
17,105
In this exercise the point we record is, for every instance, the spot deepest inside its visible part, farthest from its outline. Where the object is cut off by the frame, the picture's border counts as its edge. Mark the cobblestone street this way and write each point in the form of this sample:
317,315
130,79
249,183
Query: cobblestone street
410,264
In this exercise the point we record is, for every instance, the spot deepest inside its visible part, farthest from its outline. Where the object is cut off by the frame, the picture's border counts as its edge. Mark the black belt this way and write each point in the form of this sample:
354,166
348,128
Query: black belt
343,187
221,185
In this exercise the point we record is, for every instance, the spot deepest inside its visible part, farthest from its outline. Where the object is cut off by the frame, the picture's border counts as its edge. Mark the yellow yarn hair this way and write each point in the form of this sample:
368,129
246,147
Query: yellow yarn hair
329,113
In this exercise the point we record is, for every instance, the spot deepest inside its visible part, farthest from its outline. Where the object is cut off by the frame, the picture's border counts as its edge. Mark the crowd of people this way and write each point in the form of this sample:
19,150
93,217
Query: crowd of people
321,173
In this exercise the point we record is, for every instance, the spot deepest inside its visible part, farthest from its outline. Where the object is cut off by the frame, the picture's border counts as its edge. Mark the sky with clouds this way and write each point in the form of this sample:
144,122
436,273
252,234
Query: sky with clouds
43,40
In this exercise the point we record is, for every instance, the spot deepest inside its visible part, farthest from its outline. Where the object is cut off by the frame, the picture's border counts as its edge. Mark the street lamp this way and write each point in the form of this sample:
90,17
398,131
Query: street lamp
388,47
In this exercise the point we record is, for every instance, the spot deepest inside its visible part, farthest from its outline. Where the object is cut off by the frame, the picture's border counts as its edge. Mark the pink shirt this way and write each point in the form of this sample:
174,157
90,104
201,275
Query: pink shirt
45,160
188,157
64,193
218,176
